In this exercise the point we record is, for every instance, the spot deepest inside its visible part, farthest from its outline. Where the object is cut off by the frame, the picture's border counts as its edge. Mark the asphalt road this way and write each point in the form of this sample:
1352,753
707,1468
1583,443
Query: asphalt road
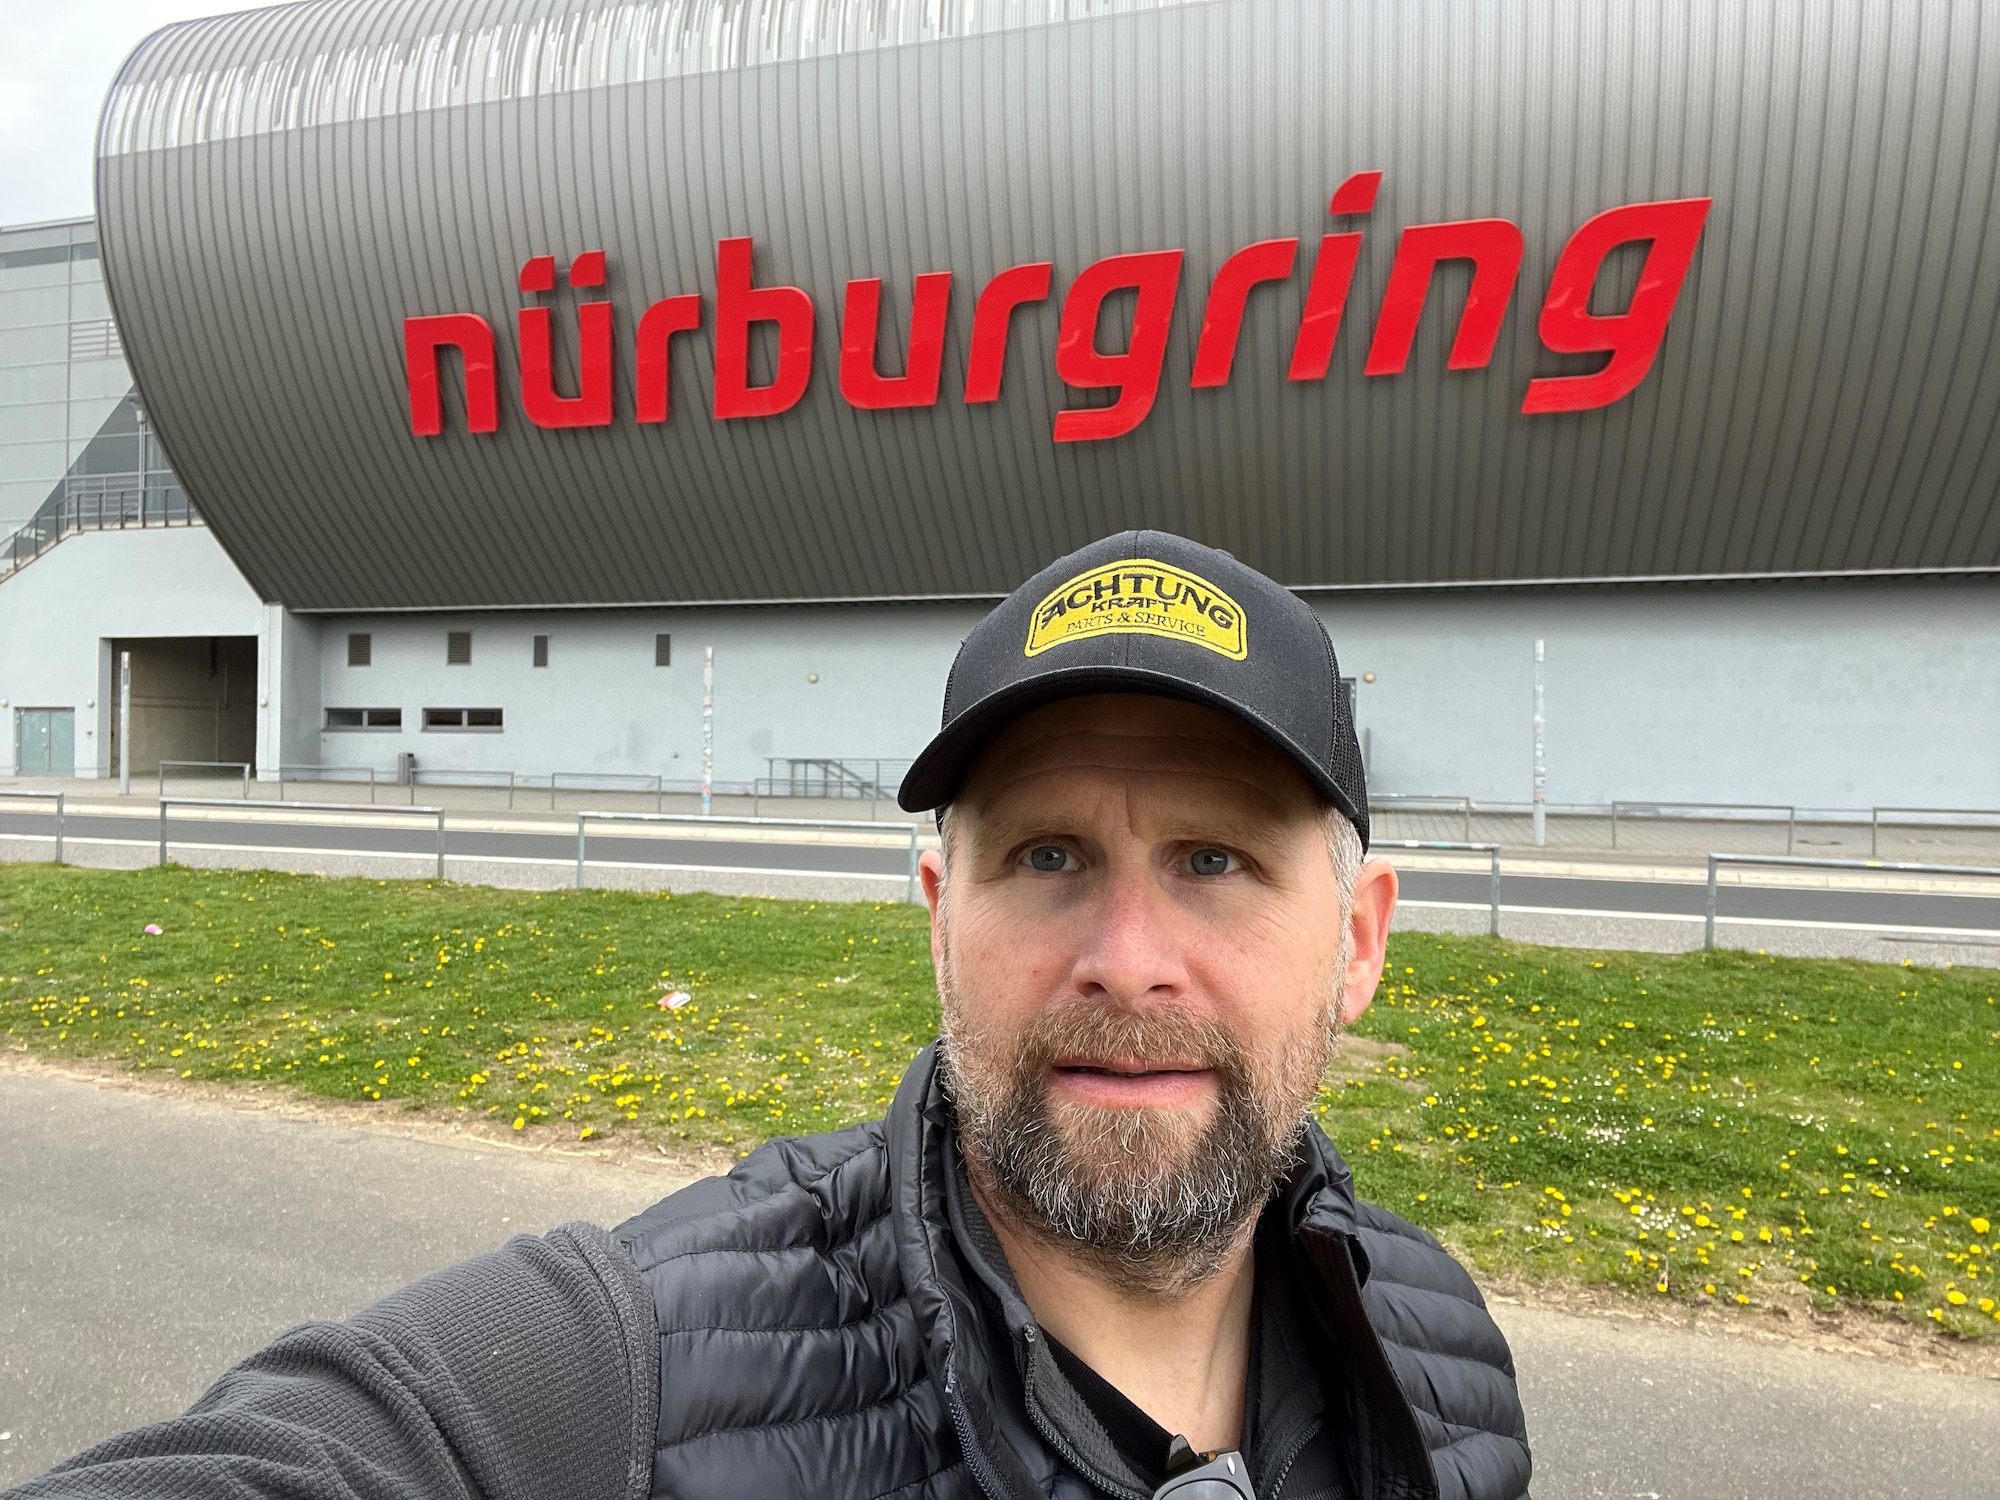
1552,893
145,1243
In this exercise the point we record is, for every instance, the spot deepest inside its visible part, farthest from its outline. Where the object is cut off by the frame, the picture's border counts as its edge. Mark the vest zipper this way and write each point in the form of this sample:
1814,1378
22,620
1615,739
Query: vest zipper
1061,1444
968,1441
1291,1457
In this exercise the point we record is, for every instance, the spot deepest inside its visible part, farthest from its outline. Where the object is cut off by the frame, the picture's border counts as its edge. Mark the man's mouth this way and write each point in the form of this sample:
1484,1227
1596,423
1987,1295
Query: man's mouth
1130,1082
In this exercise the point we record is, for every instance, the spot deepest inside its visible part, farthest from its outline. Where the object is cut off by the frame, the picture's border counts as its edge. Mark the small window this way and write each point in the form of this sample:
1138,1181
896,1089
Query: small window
541,651
458,648
364,718
663,651
360,650
487,719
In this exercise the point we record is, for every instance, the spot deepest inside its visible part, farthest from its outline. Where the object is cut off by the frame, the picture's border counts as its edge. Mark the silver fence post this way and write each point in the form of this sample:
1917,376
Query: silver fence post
163,830
59,826
1708,923
1874,831
1791,827
1467,810
1493,894
579,851
162,769
440,817
910,885
246,783
371,787
510,791
1614,825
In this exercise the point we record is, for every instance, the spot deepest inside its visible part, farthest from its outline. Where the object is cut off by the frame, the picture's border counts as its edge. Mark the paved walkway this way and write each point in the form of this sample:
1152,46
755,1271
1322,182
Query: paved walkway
145,1243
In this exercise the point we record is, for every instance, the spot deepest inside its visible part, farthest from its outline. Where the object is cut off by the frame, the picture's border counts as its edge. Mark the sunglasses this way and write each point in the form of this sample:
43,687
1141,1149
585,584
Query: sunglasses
1223,1477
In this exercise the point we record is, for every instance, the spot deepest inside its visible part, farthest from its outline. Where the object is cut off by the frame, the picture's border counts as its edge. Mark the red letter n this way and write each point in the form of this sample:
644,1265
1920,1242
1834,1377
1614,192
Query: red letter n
1135,374
472,336
860,328
1633,336
1494,248
738,304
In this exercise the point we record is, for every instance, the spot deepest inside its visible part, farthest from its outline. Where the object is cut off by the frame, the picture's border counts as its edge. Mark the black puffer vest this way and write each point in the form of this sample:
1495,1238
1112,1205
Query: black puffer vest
818,1336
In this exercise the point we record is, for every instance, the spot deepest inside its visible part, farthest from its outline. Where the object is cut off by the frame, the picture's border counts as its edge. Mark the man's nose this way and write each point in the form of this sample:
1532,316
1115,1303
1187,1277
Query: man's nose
1133,949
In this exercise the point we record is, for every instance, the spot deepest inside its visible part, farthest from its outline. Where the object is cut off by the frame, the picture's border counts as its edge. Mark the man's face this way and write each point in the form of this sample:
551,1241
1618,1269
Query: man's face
1144,959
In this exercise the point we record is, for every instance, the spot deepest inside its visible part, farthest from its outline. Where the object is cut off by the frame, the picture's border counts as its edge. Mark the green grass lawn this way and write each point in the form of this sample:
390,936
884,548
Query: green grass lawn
1725,1127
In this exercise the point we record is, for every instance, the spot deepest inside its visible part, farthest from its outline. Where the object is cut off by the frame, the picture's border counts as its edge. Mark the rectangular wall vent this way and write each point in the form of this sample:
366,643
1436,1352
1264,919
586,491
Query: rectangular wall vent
95,338
541,651
458,648
663,651
360,650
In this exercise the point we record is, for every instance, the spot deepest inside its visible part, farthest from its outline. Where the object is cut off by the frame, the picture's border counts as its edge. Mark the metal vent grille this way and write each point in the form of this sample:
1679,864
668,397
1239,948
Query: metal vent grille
458,648
95,338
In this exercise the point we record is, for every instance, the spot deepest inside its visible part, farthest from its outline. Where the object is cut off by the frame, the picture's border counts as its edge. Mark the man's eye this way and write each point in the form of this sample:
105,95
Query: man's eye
1049,858
1211,862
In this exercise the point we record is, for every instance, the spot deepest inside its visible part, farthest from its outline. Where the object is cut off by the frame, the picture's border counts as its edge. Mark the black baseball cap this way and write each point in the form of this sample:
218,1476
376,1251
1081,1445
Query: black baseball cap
1151,612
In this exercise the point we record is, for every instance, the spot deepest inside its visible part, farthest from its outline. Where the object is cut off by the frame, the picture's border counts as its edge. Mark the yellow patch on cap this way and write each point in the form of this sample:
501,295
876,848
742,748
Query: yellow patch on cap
1137,596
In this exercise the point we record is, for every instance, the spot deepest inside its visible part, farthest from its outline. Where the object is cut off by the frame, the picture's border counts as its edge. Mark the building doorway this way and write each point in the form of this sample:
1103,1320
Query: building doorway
194,698
45,741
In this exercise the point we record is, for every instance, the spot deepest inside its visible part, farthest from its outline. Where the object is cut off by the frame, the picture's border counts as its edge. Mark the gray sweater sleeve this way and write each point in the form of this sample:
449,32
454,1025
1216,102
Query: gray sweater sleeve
530,1372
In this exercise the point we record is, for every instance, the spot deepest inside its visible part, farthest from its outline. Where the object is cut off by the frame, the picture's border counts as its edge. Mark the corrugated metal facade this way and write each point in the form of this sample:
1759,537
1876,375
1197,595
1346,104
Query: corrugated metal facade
278,191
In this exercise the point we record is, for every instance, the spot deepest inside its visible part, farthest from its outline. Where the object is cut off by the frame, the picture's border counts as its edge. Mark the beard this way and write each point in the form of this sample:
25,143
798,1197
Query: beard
1154,1198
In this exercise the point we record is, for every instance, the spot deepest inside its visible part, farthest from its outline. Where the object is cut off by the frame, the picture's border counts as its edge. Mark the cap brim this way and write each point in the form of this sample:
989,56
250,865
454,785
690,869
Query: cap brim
934,777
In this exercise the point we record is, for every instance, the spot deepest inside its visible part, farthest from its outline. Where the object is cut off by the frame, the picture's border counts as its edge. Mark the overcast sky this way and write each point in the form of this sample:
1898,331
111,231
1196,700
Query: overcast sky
56,61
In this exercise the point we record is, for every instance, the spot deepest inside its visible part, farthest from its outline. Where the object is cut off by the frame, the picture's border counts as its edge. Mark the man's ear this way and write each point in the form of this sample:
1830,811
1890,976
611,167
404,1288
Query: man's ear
930,876
1368,936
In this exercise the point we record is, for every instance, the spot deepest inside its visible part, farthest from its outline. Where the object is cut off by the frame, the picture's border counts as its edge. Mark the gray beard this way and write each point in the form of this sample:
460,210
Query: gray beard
1154,1199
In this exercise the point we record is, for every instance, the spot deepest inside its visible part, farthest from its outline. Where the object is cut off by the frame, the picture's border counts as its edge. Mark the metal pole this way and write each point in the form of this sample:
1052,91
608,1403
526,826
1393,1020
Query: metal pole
707,729
1874,830
440,817
579,851
125,732
1468,820
59,826
1541,790
1791,826
1493,895
1708,923
163,830
246,782
1614,825
910,885
510,791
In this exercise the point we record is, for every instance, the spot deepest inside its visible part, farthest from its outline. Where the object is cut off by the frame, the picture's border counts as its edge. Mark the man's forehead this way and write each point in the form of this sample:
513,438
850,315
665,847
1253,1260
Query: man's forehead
1089,745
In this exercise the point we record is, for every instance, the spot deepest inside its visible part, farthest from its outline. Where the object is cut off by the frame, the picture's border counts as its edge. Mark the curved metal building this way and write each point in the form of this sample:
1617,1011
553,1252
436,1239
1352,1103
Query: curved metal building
746,337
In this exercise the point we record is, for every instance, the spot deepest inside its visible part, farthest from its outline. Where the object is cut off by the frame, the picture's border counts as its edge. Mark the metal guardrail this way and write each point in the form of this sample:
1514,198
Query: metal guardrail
341,807
444,776
1492,851
1390,801
1875,819
55,797
607,781
243,767
1788,862
1666,809
712,820
354,775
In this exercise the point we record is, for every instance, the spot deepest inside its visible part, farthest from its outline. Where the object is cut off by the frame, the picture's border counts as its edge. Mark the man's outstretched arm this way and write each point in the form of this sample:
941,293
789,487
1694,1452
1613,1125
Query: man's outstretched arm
532,1371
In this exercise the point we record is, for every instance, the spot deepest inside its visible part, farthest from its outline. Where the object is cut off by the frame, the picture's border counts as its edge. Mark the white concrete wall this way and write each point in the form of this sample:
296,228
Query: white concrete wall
1844,694
601,705
59,613
1820,695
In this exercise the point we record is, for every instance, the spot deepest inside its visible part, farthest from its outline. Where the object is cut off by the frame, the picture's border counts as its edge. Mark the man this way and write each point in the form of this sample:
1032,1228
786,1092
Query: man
1096,1248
